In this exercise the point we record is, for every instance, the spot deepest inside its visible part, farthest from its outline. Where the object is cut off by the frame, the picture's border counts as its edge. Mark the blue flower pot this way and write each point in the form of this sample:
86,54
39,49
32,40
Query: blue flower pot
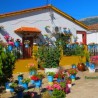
59,80
11,89
32,73
32,82
26,45
87,64
7,85
20,94
25,85
50,78
92,66
17,44
20,80
10,47
38,83
73,76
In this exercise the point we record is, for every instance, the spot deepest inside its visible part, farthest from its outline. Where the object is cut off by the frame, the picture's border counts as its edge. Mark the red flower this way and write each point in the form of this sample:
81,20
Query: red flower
34,77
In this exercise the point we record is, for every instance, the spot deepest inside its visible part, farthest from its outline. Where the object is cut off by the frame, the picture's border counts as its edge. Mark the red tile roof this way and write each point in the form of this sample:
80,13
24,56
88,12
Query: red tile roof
93,27
27,30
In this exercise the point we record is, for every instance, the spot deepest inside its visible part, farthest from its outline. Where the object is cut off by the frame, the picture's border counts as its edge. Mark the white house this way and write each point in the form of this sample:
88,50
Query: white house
38,23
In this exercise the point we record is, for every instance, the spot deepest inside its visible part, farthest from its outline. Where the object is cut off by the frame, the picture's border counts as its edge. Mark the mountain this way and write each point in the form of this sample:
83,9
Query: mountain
90,20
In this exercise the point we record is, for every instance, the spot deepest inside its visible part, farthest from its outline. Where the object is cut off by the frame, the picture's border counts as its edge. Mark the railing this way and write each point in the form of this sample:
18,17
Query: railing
93,49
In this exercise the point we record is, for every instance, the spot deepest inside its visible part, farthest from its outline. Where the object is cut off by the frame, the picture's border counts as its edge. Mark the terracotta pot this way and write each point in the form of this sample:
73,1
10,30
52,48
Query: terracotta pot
81,66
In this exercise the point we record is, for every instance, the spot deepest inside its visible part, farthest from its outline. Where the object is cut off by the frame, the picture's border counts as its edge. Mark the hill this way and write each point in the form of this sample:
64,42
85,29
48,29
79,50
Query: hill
90,20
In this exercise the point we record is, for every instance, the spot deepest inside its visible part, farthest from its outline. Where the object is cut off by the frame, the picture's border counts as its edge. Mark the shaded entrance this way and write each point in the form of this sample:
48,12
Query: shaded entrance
28,34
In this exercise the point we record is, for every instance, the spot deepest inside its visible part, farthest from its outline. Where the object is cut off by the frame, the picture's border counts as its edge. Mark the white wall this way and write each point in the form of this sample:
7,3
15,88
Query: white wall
92,38
38,19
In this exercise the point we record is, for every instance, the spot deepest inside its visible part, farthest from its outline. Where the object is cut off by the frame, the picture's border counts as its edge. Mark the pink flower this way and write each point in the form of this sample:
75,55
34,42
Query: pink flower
11,43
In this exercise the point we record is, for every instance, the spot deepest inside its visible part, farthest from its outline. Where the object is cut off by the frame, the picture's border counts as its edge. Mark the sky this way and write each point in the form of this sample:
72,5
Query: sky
78,9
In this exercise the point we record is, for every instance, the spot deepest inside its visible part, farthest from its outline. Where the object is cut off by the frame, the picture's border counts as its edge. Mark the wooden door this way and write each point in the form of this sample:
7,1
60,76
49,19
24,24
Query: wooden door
27,51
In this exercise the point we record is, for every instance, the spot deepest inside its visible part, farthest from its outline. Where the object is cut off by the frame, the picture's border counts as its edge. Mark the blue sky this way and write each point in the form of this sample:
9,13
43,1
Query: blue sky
76,8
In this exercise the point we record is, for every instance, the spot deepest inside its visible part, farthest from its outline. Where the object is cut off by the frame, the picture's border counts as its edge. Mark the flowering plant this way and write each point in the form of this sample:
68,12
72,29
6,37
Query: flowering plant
13,85
72,71
26,42
27,80
54,86
60,75
32,67
7,37
50,73
37,77
18,40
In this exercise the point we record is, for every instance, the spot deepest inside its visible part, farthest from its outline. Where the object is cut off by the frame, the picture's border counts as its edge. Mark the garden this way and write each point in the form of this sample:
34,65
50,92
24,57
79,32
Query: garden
53,81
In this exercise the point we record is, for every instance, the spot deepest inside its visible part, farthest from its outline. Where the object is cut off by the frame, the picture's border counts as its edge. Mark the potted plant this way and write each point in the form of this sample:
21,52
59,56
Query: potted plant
49,58
12,86
37,80
72,73
20,78
25,82
32,69
60,76
58,94
50,76
17,42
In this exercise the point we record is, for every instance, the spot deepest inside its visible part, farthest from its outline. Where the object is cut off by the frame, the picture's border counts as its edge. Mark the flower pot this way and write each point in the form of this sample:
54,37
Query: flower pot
20,94
59,80
38,83
7,86
11,89
20,80
73,76
81,67
55,70
10,47
87,64
32,72
17,44
50,78
26,45
32,82
25,85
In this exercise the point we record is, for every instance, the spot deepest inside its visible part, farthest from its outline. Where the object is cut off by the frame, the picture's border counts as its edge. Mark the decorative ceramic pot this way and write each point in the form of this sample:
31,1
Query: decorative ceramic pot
10,48
25,85
17,44
20,80
81,66
7,86
38,83
50,78
33,72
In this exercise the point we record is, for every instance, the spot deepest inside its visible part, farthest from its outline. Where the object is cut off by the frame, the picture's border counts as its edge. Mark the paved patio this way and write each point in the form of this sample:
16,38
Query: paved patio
85,87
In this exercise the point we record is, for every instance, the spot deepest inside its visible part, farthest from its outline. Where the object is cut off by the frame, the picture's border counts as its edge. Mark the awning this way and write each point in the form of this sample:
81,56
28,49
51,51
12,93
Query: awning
23,30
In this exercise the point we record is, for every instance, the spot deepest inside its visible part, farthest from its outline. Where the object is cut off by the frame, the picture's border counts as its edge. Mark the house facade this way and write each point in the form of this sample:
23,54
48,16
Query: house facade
40,26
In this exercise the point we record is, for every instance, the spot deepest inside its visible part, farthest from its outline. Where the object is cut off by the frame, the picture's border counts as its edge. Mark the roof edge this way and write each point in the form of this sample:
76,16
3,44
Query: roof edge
69,17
